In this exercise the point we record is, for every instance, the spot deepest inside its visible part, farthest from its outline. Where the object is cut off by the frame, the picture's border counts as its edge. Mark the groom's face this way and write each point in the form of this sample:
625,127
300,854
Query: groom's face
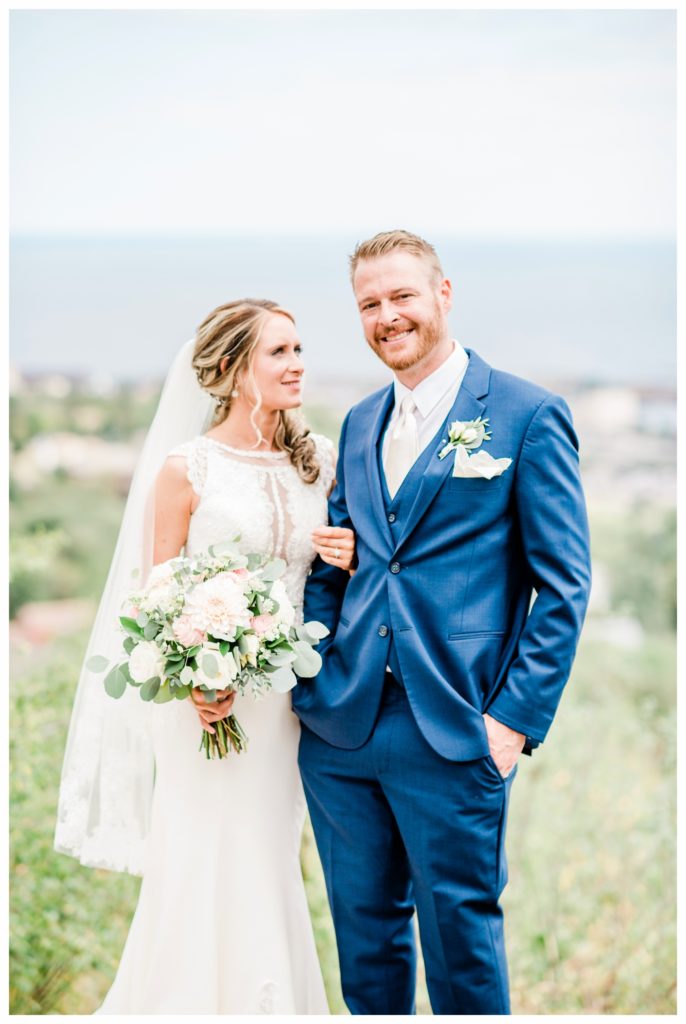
404,308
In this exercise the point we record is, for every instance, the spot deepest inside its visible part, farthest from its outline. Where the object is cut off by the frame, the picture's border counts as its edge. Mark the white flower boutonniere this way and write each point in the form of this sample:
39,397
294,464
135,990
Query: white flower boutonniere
465,437
470,434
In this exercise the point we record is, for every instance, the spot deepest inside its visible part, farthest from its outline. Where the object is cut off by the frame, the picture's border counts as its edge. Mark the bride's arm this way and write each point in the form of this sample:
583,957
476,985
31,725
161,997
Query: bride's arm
175,502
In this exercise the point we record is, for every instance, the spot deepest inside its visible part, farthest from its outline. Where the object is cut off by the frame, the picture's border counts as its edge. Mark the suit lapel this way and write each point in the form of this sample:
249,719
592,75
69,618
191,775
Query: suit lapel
378,507
466,407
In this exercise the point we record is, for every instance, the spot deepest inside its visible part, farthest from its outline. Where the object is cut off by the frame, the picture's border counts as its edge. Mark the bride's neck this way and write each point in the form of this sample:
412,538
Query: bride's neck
238,431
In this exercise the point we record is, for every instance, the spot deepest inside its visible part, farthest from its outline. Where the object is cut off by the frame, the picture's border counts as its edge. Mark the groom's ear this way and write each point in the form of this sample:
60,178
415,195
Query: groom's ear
446,293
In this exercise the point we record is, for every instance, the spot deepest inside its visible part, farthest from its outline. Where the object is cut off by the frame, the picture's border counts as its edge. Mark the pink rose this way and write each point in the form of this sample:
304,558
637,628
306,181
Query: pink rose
240,574
186,633
263,624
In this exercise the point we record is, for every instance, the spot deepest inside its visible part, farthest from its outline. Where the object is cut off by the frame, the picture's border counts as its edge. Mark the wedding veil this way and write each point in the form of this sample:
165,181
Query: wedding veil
108,771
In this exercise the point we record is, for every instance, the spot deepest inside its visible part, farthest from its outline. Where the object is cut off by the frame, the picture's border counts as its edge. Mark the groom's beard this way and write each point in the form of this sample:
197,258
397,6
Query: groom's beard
425,338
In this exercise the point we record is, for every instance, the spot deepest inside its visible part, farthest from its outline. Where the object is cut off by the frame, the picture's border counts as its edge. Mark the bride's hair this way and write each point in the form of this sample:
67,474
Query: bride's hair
232,332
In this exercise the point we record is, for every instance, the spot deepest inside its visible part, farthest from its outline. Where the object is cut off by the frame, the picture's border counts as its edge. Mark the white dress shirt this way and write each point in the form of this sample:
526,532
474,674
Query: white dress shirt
434,397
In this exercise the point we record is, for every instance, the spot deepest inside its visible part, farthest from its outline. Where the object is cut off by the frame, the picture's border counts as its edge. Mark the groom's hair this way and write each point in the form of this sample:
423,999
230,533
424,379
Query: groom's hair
392,241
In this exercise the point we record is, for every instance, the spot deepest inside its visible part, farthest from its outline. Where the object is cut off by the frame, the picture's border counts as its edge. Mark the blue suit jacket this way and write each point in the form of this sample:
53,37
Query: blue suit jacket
453,587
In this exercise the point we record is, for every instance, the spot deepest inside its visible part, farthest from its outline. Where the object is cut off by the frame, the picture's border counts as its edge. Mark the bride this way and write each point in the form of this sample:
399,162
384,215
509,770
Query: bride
222,924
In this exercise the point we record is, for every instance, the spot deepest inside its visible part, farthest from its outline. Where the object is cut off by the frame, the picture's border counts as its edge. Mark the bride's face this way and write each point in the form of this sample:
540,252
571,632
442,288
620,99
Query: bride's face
276,365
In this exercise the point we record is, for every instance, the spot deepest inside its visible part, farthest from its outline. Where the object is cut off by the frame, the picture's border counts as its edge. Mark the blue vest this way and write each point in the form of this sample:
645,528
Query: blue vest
398,507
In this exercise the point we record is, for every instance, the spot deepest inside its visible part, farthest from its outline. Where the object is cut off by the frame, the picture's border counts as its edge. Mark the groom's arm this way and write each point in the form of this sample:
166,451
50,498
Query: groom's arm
325,586
554,533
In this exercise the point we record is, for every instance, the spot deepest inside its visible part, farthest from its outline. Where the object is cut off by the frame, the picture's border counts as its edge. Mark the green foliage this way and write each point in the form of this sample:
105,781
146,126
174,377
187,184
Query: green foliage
590,909
640,554
33,555
68,922
63,536
115,417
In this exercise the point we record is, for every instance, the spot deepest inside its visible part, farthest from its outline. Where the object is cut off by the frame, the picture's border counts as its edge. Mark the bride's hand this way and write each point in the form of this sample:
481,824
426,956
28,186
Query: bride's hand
208,713
336,546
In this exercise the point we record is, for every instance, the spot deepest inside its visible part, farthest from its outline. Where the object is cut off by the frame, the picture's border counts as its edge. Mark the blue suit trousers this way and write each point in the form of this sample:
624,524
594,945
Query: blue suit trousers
398,826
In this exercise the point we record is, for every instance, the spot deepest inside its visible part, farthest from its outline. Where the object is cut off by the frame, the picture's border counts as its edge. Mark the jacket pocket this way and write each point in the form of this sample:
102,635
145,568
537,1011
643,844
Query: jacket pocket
476,483
475,636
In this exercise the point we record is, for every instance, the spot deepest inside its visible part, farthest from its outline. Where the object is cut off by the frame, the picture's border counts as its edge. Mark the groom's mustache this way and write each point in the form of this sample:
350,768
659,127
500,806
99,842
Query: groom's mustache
384,332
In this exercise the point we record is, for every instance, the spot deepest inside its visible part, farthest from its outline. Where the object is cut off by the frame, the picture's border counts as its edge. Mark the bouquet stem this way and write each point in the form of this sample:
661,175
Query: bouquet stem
228,735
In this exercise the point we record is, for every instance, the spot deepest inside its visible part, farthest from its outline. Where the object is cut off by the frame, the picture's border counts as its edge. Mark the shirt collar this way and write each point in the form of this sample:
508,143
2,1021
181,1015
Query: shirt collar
428,393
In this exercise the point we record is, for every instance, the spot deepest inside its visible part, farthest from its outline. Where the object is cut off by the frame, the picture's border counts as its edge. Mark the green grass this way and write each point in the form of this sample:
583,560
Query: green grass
590,908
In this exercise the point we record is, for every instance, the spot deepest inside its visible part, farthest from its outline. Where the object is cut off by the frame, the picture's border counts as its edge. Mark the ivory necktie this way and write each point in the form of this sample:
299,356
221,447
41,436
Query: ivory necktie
403,446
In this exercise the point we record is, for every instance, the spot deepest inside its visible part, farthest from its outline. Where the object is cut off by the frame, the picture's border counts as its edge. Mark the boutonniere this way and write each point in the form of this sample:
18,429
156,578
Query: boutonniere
464,437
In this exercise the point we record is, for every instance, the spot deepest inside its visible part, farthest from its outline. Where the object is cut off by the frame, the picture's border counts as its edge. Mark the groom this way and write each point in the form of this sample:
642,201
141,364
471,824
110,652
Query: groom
462,485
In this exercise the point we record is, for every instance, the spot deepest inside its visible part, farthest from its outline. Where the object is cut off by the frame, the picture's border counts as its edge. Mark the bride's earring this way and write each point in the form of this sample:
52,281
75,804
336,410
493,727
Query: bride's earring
234,393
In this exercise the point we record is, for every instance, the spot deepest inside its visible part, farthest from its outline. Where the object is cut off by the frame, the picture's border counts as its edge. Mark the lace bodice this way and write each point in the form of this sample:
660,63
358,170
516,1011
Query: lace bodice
259,498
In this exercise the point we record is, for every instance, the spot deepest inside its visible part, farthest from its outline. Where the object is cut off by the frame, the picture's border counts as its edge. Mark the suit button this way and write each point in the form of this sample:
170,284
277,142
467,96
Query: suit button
383,631
391,517
395,567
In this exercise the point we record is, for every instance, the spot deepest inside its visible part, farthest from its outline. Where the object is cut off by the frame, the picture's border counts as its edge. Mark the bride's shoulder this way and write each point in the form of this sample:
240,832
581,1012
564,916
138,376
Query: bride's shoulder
190,448
193,456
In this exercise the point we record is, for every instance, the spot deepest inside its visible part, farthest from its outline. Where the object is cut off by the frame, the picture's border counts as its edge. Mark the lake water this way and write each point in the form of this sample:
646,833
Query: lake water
121,307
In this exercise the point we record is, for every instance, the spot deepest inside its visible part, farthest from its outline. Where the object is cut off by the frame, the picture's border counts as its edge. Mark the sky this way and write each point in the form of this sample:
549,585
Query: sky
519,123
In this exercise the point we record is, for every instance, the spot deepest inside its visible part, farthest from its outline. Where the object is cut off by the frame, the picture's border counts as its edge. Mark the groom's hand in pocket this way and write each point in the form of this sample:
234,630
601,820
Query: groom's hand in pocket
505,744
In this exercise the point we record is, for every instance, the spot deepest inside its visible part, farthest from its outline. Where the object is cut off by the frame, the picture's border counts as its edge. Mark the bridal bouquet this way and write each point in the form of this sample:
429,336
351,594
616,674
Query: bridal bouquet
219,620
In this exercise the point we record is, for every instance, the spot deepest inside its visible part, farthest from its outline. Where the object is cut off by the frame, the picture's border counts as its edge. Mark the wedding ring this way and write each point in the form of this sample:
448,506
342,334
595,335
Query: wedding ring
336,553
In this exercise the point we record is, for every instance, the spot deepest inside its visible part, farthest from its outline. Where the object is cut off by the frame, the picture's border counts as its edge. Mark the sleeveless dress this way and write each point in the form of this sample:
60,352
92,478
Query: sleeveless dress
222,923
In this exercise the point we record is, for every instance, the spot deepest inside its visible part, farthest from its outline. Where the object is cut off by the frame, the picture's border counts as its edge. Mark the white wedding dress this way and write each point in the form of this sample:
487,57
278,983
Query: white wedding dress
222,923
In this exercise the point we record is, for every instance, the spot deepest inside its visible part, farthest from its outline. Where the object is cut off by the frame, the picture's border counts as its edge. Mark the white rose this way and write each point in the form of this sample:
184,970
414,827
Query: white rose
286,612
218,606
146,661
214,671
161,590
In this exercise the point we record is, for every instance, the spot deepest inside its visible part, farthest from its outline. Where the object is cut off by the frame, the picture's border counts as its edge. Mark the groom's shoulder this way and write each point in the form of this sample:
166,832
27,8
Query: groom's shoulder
521,394
369,405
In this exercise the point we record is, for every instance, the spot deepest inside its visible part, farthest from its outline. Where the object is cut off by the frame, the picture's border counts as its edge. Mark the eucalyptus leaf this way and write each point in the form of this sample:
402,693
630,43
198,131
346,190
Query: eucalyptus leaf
181,692
131,626
316,629
209,696
226,547
150,688
129,644
282,680
281,657
115,682
210,665
97,663
273,569
142,619
151,631
164,694
308,662
312,632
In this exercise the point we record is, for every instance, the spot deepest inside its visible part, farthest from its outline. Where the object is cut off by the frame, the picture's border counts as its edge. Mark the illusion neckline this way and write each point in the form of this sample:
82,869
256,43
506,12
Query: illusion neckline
250,452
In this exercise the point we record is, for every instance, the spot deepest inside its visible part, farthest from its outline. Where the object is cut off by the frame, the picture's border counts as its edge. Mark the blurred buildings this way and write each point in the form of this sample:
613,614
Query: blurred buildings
627,434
